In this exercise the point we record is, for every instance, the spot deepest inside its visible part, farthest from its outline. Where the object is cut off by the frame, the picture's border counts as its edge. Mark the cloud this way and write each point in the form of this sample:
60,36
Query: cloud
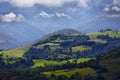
56,14
106,9
112,11
56,3
62,15
83,3
11,17
3,0
46,15
115,8
116,2
30,3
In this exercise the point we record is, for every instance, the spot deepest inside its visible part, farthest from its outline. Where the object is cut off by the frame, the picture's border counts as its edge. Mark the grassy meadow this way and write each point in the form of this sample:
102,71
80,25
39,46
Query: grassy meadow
42,63
80,48
14,53
68,73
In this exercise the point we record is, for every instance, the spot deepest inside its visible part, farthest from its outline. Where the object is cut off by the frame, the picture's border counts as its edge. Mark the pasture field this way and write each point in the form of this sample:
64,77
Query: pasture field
80,48
14,53
42,63
68,73
109,33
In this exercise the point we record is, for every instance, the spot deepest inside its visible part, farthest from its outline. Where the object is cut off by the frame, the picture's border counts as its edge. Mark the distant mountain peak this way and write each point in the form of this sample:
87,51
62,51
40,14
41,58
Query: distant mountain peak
67,31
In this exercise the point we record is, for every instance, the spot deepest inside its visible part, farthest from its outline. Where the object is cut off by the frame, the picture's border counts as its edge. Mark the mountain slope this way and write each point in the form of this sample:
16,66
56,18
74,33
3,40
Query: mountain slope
111,61
7,41
64,32
60,46
100,22
18,34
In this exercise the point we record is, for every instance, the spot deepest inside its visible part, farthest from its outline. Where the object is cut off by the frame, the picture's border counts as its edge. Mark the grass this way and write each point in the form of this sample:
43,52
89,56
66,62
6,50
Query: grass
109,33
98,40
74,35
50,44
14,53
68,73
42,63
112,34
113,67
80,48
58,40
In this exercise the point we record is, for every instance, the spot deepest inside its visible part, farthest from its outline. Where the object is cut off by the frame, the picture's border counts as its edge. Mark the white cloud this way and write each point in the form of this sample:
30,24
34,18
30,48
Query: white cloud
116,8
10,17
83,3
57,3
112,8
62,15
116,2
112,11
23,3
56,14
46,15
106,9
30,3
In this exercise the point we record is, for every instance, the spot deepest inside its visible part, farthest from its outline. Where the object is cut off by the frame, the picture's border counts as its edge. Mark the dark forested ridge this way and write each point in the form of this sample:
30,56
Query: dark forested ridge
61,46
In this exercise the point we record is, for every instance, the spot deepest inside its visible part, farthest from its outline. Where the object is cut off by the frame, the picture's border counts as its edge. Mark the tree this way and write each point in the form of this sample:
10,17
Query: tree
62,77
47,47
76,76
53,77
89,77
75,61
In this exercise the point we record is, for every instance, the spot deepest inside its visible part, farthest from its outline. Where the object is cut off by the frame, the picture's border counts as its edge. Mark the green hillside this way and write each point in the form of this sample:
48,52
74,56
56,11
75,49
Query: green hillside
111,61
14,53
71,45
43,63
60,46
68,73
109,33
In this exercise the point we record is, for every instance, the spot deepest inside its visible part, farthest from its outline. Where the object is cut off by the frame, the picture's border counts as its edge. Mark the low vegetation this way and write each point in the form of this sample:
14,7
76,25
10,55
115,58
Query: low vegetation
14,53
65,57
43,63
80,48
68,73
109,33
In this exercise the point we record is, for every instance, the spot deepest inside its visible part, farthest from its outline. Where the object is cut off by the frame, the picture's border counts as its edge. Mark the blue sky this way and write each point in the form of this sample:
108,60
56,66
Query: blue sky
52,15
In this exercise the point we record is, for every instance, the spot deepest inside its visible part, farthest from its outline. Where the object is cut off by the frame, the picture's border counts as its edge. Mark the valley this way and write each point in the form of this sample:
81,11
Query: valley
59,39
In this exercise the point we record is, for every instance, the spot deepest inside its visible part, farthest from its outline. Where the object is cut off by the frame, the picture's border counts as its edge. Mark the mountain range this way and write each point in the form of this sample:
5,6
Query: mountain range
18,34
21,33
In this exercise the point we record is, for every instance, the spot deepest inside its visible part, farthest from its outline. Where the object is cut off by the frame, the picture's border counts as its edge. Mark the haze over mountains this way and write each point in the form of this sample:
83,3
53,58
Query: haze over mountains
100,22
18,34
26,21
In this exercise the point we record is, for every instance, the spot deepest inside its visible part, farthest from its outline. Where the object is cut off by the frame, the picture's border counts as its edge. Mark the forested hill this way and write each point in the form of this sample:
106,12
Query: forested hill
60,57
65,32
75,45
